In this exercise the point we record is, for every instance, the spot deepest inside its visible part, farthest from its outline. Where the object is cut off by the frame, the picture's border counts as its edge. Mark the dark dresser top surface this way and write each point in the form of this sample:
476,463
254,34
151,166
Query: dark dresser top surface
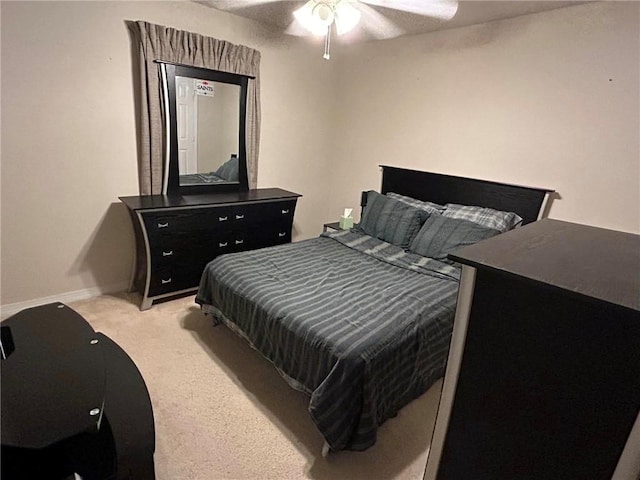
596,262
172,201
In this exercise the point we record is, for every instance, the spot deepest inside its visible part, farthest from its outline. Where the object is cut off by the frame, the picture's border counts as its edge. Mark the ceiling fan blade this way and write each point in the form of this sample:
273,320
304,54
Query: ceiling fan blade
231,5
377,25
296,29
440,9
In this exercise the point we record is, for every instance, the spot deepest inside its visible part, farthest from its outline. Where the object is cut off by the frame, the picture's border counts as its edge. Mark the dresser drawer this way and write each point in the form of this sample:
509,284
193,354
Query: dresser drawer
173,279
168,223
163,256
263,213
216,218
219,244
173,246
173,282
163,224
261,237
181,247
278,236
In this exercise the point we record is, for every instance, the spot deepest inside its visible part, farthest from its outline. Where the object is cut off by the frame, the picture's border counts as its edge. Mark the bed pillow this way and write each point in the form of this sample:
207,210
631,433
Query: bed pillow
429,207
488,217
229,170
442,235
390,220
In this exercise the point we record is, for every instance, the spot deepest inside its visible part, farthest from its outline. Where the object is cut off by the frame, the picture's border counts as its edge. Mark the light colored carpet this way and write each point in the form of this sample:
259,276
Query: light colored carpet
223,412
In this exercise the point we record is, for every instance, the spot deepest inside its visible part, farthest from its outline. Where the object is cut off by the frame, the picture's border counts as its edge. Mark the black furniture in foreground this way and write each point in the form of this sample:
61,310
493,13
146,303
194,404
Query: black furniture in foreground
543,375
176,236
72,401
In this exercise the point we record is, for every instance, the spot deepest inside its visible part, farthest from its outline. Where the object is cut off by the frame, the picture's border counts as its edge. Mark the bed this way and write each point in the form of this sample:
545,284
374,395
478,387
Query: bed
361,319
227,172
200,178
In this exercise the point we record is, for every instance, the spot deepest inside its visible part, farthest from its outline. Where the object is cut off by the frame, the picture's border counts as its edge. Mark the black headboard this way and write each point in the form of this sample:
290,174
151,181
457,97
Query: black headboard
438,188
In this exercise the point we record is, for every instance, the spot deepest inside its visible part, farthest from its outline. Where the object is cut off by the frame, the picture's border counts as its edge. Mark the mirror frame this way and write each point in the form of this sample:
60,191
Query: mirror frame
171,180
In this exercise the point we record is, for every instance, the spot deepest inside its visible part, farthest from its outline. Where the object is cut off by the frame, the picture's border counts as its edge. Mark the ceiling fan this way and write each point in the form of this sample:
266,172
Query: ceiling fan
320,17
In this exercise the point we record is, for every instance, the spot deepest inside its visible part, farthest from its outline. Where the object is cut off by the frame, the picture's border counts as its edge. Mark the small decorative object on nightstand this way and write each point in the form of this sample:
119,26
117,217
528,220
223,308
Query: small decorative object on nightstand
346,220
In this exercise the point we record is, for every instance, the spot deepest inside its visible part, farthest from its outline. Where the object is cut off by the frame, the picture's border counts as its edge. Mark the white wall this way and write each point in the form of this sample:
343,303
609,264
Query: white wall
69,135
548,100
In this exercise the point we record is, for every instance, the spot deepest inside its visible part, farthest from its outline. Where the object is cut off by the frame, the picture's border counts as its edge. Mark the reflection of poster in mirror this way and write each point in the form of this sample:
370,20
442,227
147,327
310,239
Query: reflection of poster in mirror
204,87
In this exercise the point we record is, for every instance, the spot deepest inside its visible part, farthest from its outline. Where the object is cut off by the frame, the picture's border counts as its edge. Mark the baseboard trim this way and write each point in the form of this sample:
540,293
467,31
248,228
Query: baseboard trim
68,297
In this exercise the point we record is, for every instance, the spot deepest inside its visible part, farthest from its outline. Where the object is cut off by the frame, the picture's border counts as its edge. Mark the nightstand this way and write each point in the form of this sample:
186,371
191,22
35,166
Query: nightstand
332,225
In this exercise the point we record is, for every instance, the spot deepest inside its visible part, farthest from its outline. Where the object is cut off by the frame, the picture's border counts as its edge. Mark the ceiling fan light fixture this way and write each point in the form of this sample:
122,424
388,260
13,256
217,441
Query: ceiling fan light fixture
317,15
325,13
309,19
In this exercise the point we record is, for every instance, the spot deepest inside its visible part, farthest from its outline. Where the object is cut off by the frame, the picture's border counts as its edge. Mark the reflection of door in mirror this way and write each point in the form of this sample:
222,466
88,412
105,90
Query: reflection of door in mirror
187,118
207,123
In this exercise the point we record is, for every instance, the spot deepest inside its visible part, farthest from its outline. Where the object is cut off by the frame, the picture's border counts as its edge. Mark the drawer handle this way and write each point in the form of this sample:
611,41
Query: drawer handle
167,254
163,225
239,242
239,217
282,234
164,282
223,219
221,244
284,212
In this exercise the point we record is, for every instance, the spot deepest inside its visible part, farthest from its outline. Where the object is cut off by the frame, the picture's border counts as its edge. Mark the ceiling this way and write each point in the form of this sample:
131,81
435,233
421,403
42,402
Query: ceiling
279,14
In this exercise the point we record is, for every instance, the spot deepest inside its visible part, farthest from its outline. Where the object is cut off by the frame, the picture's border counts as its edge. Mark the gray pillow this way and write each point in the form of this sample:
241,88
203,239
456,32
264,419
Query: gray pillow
390,220
229,170
488,217
441,235
429,207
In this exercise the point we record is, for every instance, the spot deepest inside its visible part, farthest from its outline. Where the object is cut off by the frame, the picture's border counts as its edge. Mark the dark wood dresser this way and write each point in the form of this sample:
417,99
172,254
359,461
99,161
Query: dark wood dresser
543,375
176,236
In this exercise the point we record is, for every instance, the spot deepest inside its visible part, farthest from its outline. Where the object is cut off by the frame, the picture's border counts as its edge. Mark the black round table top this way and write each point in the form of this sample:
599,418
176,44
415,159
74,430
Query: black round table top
53,376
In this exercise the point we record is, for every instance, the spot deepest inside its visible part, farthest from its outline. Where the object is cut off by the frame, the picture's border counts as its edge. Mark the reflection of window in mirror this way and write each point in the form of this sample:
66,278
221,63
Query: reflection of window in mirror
206,125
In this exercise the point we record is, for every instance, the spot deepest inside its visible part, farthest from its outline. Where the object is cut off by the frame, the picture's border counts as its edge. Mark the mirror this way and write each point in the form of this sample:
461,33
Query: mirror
208,117
204,114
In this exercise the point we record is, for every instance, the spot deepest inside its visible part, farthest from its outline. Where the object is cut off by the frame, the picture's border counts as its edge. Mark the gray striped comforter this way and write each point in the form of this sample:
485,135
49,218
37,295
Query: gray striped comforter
359,324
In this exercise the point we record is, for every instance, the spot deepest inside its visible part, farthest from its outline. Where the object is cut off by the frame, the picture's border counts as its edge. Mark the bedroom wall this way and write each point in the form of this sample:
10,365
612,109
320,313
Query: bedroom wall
548,100
69,136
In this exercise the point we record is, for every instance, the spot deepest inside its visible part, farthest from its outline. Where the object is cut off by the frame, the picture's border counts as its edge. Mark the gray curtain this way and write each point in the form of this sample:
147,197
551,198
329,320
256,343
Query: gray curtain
156,42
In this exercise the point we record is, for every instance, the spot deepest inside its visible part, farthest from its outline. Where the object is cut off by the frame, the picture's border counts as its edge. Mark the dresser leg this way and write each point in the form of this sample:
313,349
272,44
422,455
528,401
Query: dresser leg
146,303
